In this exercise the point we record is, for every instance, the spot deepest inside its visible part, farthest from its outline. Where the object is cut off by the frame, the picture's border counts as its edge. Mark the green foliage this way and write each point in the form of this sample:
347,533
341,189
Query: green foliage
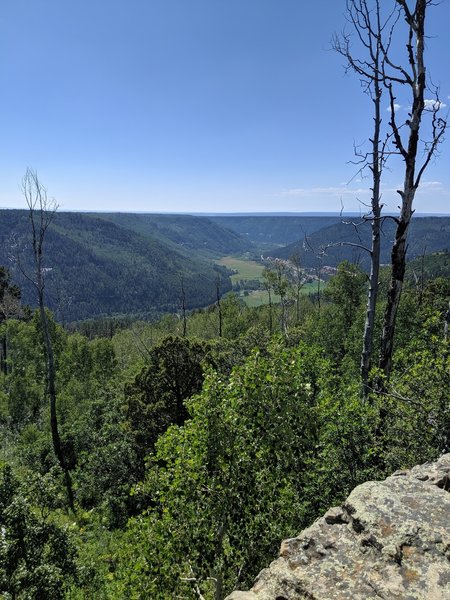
214,469
156,399
37,557
417,426
429,266
107,463
347,449
228,484
24,379
337,326
9,296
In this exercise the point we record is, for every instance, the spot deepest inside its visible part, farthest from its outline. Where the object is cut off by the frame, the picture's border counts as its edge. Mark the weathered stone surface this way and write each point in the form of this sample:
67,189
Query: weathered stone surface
390,540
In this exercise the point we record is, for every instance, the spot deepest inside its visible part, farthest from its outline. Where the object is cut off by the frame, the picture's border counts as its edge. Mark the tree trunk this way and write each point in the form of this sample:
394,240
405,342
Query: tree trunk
183,306
413,172
219,307
366,354
270,311
4,355
375,167
398,261
41,212
51,377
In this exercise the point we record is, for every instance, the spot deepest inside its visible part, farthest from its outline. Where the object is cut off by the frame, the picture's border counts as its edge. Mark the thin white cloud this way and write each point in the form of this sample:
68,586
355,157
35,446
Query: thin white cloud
436,188
330,191
388,191
433,105
396,107
431,184
432,196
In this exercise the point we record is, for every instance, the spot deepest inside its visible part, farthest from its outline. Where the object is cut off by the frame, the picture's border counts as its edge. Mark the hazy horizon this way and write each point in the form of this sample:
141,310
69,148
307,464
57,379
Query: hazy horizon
235,213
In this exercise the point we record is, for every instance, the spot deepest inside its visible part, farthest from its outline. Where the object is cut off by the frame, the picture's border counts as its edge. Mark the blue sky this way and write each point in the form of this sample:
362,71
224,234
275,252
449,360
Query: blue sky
192,106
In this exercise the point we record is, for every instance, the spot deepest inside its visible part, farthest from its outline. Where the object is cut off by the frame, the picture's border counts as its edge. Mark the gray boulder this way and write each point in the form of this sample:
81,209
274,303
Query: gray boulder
390,540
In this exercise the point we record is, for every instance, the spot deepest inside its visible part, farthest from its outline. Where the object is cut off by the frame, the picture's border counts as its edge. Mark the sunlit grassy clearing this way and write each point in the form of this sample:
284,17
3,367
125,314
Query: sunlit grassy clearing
259,297
250,269
246,269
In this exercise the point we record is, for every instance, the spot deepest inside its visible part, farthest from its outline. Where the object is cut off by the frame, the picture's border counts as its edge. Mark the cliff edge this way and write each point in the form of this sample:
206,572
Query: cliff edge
389,540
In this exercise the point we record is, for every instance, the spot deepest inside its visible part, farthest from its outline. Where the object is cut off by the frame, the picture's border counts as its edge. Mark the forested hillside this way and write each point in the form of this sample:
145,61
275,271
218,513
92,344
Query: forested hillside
429,266
269,231
194,235
344,241
96,267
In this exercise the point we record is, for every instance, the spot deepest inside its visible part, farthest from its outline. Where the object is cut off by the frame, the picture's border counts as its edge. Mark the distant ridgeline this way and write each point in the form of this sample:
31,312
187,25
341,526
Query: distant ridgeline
322,240
342,241
104,264
275,230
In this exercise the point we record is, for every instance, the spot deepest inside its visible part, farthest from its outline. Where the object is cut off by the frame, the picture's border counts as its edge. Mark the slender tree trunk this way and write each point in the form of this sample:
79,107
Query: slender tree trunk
41,212
319,271
398,261
375,167
284,316
375,25
219,307
416,23
183,306
447,322
218,576
51,379
4,355
270,311
369,325
416,82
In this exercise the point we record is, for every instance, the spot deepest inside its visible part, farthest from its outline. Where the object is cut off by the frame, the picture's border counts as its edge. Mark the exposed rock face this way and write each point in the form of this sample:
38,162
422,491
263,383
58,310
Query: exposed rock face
390,539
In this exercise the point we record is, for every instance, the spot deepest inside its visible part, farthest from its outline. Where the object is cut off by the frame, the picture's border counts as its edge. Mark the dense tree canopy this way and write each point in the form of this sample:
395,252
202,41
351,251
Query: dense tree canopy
191,457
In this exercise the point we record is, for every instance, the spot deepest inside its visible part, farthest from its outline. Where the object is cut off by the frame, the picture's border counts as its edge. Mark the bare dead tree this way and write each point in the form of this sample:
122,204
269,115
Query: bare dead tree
376,30
415,153
41,210
370,28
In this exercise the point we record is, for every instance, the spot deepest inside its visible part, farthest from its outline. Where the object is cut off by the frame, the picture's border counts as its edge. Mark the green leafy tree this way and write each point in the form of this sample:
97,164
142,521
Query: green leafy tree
10,307
156,399
276,281
417,414
337,324
37,558
227,485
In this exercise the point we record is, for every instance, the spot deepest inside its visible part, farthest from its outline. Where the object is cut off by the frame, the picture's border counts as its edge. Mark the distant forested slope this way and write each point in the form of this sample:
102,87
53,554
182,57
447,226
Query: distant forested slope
429,266
95,267
187,233
427,235
274,230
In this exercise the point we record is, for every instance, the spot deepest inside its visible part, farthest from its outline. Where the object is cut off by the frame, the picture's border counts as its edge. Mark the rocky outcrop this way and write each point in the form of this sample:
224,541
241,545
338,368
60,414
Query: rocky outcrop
390,540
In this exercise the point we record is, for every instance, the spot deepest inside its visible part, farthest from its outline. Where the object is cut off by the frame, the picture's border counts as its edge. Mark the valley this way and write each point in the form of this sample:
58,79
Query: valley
156,260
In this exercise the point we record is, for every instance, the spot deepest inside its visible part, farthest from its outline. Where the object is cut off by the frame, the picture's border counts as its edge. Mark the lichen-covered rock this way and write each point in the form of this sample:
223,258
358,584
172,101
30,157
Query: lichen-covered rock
390,540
